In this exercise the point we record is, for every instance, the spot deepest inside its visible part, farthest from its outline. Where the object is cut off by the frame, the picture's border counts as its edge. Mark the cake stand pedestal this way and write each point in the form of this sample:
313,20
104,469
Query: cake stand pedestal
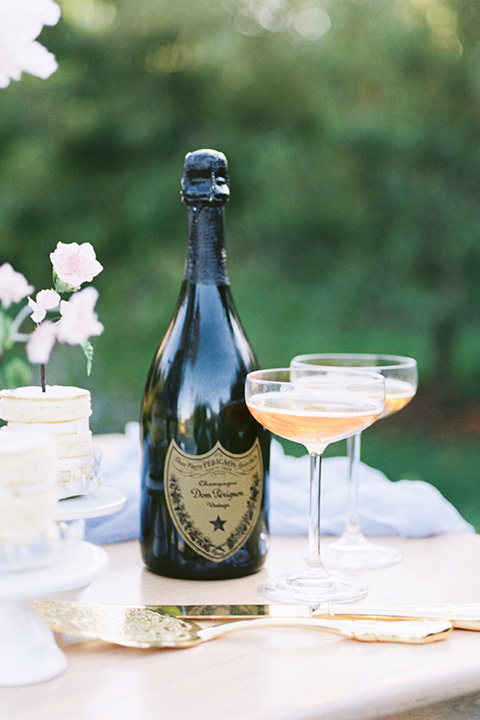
28,650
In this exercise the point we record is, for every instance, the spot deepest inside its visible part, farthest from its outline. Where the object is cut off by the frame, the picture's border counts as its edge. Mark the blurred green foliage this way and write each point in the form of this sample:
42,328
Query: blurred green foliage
352,132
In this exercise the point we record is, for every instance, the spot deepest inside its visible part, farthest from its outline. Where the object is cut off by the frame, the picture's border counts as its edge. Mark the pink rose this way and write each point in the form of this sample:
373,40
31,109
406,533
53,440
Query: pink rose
45,300
79,321
41,342
75,264
13,286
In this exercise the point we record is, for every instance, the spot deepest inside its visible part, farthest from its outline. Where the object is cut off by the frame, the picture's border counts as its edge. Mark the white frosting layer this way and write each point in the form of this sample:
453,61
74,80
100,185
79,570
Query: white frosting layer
55,428
21,443
75,462
27,459
58,404
52,392
28,474
76,445
24,513
6,492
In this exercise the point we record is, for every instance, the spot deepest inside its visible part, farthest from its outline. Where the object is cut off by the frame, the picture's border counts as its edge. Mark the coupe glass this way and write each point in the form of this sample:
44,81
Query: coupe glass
352,550
314,407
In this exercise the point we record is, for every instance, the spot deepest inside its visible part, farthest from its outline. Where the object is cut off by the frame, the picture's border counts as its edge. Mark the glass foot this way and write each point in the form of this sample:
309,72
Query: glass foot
358,553
310,590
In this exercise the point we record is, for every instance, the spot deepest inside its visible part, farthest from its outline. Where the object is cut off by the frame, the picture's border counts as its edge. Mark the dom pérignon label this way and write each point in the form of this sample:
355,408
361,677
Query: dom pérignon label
214,499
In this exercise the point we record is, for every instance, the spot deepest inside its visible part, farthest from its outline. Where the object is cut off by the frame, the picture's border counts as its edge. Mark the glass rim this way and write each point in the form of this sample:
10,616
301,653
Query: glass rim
403,360
357,376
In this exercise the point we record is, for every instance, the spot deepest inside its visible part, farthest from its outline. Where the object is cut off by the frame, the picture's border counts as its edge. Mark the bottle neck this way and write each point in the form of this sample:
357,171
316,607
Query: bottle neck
206,260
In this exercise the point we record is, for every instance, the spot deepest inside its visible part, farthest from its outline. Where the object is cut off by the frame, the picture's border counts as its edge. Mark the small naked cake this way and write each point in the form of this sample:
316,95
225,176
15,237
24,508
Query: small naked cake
63,412
28,502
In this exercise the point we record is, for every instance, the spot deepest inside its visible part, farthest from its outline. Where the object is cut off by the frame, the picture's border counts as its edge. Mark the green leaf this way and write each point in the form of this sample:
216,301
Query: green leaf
6,334
87,348
61,286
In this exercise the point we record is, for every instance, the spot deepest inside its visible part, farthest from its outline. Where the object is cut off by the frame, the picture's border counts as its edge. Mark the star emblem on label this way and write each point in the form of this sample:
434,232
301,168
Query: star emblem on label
218,524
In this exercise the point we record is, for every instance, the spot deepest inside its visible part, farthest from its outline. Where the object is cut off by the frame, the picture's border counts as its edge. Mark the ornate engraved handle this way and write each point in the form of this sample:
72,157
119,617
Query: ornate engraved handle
417,632
463,616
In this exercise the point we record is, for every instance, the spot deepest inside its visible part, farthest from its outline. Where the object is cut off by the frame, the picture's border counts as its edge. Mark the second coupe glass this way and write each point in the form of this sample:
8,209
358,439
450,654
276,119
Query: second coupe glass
352,550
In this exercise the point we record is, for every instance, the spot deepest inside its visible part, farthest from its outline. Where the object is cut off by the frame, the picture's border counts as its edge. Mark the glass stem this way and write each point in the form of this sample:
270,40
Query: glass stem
313,558
352,527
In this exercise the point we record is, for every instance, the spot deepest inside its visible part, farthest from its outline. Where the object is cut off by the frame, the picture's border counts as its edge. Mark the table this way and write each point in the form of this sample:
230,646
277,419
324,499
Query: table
270,674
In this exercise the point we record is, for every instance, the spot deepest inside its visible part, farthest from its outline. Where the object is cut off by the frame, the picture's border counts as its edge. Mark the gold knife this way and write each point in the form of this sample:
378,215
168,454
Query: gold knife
463,616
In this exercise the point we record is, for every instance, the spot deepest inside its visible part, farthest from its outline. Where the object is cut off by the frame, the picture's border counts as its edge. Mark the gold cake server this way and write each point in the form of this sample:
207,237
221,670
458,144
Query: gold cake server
149,626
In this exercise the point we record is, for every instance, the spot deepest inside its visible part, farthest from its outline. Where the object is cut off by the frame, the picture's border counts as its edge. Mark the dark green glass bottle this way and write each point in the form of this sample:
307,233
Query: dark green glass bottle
205,459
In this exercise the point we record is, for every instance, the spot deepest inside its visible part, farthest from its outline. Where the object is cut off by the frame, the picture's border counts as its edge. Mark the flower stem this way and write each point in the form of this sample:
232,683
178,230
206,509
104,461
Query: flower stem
42,378
24,313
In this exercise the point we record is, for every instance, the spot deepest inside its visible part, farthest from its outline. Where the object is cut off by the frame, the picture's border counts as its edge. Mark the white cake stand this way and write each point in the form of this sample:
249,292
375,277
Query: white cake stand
102,501
28,651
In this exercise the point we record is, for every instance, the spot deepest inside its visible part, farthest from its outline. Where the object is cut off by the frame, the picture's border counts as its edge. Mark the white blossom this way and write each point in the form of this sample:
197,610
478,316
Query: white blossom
21,22
41,342
75,264
45,300
79,320
13,286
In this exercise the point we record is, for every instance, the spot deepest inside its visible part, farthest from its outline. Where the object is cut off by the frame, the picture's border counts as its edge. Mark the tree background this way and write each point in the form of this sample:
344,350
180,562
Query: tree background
352,131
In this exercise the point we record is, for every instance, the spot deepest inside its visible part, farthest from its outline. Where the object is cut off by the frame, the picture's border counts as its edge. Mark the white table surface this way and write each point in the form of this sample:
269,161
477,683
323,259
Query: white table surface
270,674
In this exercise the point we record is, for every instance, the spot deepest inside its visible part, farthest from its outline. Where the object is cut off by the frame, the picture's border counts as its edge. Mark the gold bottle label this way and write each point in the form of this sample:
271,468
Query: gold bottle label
214,499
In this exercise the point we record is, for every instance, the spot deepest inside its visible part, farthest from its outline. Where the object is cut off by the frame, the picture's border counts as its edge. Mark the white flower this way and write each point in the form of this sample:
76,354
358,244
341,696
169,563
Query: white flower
75,264
45,300
41,342
21,22
13,285
79,321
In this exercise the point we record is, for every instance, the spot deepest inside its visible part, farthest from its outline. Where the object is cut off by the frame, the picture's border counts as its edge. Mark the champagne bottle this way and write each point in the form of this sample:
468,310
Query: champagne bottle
205,459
